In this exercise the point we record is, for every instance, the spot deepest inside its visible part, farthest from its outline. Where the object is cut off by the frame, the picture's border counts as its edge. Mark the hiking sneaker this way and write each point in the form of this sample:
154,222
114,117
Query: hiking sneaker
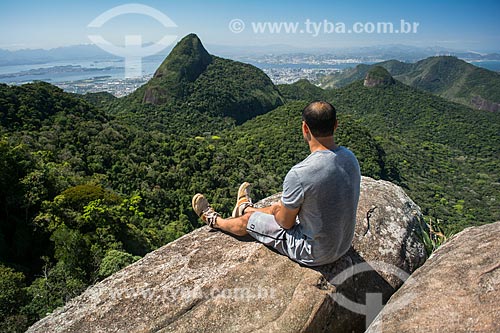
202,208
243,200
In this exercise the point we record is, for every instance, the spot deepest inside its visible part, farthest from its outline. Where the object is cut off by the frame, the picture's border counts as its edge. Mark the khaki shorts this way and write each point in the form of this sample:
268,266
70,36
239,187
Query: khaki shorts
290,242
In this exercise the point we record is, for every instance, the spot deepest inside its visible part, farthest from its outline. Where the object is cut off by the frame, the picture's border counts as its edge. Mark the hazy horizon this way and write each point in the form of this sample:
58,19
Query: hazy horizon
283,46
463,26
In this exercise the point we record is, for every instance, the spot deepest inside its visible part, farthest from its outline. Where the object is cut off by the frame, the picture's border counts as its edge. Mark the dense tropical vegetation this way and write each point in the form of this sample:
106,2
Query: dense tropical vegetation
89,184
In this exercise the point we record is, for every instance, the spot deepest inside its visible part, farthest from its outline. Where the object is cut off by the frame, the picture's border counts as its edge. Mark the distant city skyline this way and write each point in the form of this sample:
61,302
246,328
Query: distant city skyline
460,25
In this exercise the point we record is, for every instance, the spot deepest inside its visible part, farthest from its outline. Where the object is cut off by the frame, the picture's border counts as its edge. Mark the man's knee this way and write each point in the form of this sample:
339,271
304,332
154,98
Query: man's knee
244,219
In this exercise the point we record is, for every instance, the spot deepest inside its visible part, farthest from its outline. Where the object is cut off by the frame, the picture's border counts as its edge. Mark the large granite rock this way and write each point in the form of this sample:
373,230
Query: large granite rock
456,290
208,281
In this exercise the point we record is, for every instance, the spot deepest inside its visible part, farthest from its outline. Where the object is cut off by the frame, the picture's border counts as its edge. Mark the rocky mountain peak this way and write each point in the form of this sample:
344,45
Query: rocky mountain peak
378,76
188,60
184,64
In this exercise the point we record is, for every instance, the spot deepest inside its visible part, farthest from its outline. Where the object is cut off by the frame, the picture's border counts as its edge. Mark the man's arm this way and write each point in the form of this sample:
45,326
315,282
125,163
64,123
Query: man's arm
284,216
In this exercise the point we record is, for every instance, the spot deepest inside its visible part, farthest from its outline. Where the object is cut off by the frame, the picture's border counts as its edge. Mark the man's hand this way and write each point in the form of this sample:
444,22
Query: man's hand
284,216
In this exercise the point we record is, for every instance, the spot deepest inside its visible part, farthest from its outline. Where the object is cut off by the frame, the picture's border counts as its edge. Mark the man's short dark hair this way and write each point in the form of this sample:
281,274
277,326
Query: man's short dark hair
320,117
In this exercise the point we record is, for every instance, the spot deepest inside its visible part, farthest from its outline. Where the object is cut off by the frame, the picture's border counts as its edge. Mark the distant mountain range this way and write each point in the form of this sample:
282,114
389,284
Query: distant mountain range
371,53
40,56
445,76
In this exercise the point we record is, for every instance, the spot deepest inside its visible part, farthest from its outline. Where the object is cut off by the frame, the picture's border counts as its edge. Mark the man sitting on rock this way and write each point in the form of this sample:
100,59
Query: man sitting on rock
314,222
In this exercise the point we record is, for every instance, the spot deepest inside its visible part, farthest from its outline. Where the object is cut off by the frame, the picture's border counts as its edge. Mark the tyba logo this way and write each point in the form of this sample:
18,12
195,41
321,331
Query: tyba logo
133,52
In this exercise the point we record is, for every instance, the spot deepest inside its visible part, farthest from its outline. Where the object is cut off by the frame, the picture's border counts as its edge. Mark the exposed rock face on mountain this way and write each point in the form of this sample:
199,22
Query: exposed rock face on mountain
456,290
378,76
208,281
192,78
483,104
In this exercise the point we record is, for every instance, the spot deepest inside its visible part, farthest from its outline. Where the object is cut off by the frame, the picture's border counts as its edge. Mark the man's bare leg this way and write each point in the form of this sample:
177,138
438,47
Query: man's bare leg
238,225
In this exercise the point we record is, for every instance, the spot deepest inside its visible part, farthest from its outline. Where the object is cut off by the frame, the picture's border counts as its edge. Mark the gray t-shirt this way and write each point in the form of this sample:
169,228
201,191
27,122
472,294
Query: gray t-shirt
325,186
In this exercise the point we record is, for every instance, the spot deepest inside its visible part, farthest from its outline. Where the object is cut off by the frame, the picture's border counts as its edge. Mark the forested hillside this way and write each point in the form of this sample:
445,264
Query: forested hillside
445,76
89,184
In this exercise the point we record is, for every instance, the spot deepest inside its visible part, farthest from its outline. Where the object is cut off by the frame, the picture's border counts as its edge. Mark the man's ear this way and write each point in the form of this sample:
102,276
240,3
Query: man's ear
305,128
336,125
306,131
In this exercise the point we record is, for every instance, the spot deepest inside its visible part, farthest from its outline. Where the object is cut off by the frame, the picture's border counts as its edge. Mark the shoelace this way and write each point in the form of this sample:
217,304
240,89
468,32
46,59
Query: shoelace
211,217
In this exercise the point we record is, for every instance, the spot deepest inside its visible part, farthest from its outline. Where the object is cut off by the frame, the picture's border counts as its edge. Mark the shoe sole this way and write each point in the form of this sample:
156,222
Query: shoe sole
195,199
239,197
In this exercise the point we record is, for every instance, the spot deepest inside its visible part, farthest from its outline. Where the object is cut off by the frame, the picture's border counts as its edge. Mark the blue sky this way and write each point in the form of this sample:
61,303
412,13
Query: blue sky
465,25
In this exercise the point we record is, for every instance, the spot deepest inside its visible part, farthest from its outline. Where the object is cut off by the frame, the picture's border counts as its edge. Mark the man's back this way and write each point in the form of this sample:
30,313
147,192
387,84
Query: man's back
321,193
326,188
